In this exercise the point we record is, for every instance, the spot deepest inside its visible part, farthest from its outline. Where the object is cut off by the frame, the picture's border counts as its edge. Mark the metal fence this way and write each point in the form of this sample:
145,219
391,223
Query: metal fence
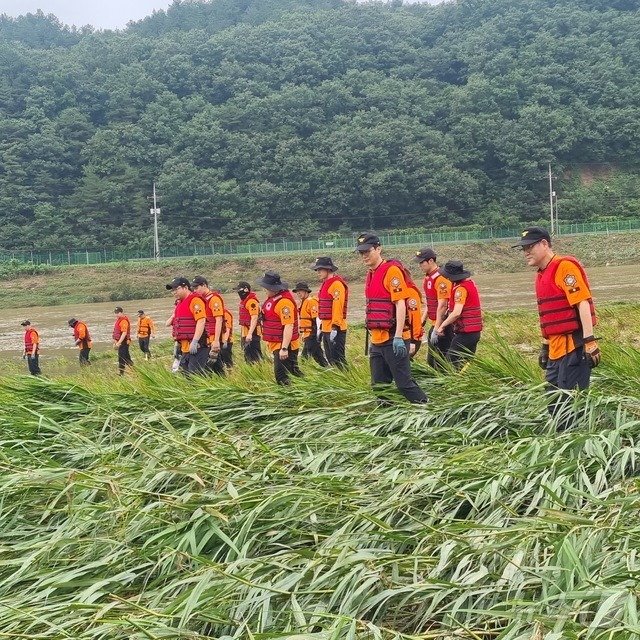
283,245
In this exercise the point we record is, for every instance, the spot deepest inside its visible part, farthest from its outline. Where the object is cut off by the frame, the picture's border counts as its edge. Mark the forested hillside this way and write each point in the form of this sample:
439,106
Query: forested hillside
262,118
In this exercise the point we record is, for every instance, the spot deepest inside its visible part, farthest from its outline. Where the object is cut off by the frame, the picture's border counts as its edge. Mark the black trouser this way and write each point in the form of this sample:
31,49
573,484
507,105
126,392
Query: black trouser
437,354
124,358
463,346
226,355
571,372
194,363
33,362
143,343
83,356
252,350
386,367
282,368
335,350
311,348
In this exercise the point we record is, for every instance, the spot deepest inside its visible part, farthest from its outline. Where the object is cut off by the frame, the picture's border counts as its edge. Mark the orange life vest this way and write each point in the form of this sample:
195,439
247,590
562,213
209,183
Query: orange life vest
117,331
470,319
144,327
184,324
272,327
244,317
557,316
325,299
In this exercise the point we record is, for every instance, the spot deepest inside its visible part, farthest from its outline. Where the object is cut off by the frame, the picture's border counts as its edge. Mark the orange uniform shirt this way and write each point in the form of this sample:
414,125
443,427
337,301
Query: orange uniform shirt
227,335
31,336
216,305
308,309
125,326
198,312
339,294
145,327
443,288
570,280
396,285
81,331
285,310
253,307
413,324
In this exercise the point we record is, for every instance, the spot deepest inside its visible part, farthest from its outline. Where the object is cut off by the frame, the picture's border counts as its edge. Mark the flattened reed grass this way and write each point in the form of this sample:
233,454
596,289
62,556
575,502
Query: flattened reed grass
158,507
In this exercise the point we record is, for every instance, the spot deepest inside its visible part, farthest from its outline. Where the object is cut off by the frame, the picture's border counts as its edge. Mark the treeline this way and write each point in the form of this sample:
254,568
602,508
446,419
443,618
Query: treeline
263,118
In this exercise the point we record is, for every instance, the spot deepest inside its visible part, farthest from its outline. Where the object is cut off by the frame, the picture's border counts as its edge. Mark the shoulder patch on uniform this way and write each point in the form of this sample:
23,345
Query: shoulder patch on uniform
197,308
442,286
413,304
286,311
570,280
395,282
336,293
458,295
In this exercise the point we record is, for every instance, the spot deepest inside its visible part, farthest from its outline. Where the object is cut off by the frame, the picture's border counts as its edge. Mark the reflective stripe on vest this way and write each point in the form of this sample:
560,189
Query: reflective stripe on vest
470,319
431,294
272,327
184,324
325,299
117,332
28,339
557,316
244,317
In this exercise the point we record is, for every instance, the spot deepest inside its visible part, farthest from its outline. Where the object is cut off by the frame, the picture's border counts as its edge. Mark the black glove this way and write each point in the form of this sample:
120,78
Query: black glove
543,356
592,351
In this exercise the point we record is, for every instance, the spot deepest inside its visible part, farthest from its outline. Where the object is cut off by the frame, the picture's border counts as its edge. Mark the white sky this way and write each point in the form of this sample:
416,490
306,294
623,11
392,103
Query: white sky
102,14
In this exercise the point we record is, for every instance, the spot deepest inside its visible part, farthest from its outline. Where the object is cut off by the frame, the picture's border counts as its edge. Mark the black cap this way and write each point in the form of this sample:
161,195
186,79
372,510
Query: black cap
198,280
180,281
454,271
302,286
140,312
25,323
324,263
242,286
118,310
531,235
367,241
425,254
271,281
72,322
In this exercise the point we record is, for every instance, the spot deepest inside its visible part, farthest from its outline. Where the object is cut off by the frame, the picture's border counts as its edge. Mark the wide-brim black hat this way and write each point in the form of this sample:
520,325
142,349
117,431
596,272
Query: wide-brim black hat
302,286
272,281
455,271
324,263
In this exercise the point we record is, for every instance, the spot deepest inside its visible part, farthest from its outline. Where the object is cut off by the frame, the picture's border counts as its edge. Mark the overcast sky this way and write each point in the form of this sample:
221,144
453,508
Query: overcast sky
103,14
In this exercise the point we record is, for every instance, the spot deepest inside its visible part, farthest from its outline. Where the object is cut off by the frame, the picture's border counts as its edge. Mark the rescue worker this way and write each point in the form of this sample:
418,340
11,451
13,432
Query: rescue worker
308,324
177,353
567,315
249,321
189,319
333,300
214,323
82,340
413,327
386,292
31,348
464,314
122,339
146,330
280,327
226,351
437,291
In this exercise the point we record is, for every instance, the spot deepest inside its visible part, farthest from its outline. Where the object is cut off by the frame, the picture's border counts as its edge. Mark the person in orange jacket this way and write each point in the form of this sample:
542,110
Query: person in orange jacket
214,324
226,351
249,321
122,339
146,331
333,301
308,324
31,347
82,340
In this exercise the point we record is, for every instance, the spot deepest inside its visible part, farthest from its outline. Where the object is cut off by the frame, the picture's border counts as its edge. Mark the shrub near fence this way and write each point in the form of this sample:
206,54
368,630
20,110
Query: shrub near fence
326,244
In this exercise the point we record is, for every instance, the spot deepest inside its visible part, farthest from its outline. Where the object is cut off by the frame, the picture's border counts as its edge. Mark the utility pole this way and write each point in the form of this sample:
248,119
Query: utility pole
555,201
155,212
551,199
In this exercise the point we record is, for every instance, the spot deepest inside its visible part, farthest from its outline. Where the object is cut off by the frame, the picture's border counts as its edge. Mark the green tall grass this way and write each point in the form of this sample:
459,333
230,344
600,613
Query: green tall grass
158,507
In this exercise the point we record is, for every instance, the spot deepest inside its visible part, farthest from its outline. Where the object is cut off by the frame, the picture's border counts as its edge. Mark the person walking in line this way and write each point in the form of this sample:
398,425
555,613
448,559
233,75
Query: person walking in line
386,292
437,291
31,347
82,340
146,330
413,327
189,319
465,314
226,351
214,323
333,302
280,327
567,315
122,339
249,321
308,324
